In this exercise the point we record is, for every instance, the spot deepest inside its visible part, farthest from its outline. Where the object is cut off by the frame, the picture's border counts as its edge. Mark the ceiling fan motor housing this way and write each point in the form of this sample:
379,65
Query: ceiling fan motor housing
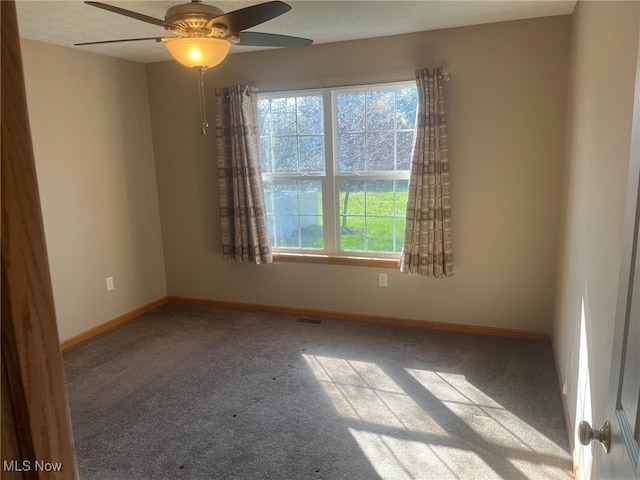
209,25
193,18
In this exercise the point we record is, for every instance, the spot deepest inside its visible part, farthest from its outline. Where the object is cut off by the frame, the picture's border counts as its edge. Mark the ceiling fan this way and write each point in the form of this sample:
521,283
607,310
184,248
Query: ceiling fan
202,34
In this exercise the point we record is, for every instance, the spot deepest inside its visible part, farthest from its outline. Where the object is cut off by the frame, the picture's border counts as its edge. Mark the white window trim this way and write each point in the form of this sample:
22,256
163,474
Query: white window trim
331,177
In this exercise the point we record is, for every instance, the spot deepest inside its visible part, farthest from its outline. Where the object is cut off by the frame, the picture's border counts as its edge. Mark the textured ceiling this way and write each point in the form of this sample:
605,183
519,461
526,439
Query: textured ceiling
71,21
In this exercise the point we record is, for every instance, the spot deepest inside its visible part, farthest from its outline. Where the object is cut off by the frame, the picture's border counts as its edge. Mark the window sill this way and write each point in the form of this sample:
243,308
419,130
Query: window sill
336,260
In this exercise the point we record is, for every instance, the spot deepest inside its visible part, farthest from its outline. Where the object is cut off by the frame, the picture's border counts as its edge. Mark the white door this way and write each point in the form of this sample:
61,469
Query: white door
624,388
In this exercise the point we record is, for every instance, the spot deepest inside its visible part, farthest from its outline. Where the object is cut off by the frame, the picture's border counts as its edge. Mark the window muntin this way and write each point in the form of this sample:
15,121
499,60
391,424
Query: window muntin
294,212
344,192
372,215
375,129
291,134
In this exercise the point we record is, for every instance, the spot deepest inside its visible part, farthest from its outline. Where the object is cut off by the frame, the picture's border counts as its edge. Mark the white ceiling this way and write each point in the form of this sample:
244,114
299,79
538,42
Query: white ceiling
71,21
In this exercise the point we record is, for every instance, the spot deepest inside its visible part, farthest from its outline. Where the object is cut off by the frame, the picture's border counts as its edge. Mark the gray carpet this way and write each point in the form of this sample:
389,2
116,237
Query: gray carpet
192,392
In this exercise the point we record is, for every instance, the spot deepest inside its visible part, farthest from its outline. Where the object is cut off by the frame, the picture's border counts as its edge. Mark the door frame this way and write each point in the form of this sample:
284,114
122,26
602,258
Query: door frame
35,413
618,454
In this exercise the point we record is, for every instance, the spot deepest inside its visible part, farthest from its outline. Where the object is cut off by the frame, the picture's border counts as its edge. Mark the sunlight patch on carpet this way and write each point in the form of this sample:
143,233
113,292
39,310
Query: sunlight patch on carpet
486,416
493,423
399,458
444,428
363,391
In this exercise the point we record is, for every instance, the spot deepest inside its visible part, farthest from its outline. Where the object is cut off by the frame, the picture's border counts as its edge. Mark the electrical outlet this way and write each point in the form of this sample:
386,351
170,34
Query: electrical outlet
382,280
110,284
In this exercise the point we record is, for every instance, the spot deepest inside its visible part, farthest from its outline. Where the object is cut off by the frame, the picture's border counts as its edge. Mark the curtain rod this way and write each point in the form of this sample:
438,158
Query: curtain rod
446,76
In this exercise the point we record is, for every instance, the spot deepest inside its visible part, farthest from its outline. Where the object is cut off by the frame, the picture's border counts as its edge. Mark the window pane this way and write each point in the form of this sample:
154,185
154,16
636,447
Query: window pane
285,197
264,114
266,162
381,228
283,116
310,120
405,149
272,237
311,150
352,197
311,232
285,154
291,134
310,194
351,152
402,193
380,151
385,120
350,112
380,199
380,110
352,233
400,224
287,228
380,234
406,108
295,214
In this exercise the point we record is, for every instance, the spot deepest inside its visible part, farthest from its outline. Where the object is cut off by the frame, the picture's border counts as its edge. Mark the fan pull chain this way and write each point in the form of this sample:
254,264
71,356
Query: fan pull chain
203,108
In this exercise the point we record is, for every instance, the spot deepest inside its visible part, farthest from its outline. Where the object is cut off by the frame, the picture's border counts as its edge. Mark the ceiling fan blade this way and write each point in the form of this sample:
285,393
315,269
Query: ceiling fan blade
157,39
257,39
248,17
135,15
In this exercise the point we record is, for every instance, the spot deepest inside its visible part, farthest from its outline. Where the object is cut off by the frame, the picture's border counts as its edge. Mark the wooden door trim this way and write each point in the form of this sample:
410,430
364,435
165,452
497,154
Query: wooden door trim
627,273
35,411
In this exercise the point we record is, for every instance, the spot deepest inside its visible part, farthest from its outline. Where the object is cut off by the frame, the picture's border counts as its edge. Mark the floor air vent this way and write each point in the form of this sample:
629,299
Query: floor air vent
313,321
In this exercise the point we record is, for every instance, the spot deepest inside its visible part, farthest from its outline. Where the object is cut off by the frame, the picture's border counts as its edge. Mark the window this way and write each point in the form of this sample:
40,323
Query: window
335,165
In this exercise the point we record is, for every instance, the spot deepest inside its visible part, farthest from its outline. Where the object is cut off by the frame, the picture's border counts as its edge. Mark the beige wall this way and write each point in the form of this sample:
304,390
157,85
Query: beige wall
603,51
91,135
506,110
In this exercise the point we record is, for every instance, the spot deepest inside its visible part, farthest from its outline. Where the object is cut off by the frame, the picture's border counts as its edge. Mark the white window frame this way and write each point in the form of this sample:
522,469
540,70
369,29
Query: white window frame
331,177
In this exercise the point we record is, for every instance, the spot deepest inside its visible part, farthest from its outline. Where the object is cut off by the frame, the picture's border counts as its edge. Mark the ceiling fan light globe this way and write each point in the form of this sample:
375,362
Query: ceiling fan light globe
198,52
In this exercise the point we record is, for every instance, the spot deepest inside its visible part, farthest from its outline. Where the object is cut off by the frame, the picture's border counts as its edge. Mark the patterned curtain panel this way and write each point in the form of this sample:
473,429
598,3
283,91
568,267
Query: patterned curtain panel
428,239
242,210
